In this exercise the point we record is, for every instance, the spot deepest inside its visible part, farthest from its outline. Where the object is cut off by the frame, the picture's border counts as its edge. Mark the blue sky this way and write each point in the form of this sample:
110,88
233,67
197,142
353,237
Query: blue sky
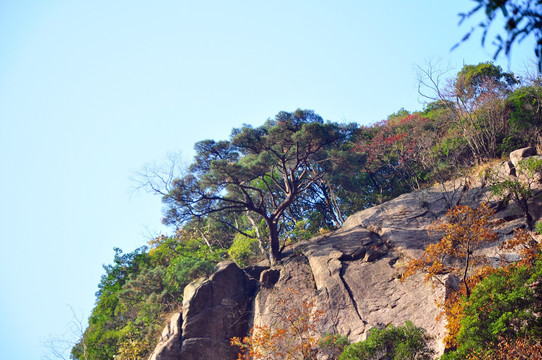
90,92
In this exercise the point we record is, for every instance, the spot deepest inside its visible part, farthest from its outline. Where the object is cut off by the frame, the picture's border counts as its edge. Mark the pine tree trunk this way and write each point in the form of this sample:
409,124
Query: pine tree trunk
274,254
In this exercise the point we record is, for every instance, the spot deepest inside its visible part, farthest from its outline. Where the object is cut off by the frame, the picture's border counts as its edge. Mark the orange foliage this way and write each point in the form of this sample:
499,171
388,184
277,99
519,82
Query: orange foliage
452,307
464,231
292,338
524,243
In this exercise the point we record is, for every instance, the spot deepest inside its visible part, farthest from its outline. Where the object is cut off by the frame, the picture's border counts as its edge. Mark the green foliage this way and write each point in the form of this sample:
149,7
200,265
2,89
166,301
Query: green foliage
519,190
471,78
301,231
525,105
333,345
451,145
531,166
401,113
137,291
264,171
538,228
505,305
244,250
331,340
105,323
391,343
504,188
182,270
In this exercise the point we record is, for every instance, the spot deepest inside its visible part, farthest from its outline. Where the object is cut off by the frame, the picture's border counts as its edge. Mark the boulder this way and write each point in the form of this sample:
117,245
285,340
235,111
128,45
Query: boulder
269,277
353,275
169,346
520,154
214,311
505,169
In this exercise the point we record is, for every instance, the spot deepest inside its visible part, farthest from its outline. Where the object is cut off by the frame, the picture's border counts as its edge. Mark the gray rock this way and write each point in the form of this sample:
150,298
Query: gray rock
505,169
519,154
214,311
269,277
169,346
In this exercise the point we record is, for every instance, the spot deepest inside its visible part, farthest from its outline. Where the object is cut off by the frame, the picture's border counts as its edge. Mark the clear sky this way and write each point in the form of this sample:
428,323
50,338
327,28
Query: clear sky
91,91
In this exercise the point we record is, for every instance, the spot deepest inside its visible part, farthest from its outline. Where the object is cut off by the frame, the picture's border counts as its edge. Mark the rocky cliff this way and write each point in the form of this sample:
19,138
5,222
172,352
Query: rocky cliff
352,275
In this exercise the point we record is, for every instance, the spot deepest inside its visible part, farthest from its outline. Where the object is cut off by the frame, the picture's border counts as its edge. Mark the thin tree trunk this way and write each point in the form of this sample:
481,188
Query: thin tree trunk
258,235
274,252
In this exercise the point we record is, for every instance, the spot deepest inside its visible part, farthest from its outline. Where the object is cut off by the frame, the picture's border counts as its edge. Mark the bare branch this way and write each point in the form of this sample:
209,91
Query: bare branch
157,178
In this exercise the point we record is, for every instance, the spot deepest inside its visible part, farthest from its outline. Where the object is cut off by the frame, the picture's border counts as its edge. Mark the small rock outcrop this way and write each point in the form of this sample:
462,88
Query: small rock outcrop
517,155
169,346
214,311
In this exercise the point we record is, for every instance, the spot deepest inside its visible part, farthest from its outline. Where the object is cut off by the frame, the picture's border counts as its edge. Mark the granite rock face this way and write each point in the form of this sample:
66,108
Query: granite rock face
214,311
169,346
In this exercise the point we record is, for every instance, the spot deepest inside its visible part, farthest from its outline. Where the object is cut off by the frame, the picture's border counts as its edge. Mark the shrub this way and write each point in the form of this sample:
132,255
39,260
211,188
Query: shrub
391,343
503,309
183,270
291,338
243,250
333,345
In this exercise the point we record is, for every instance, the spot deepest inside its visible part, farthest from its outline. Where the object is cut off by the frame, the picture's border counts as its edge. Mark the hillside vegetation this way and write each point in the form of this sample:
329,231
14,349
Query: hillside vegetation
297,176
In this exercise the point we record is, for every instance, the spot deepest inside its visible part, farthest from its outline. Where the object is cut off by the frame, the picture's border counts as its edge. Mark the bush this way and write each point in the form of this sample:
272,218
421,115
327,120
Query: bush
243,250
505,306
333,345
391,343
184,270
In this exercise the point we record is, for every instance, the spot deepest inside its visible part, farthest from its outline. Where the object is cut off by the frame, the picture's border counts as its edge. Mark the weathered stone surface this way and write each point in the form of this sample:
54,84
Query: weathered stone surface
269,277
169,346
207,349
353,275
519,154
254,271
214,311
505,169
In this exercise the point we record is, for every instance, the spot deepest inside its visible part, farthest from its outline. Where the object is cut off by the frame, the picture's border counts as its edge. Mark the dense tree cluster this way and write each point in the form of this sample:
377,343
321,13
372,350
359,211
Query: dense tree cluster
246,198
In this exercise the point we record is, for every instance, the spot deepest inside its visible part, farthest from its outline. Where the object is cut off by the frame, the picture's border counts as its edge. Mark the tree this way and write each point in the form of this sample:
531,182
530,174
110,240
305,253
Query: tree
525,107
59,346
522,18
292,338
261,170
464,231
480,92
400,149
104,332
476,98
